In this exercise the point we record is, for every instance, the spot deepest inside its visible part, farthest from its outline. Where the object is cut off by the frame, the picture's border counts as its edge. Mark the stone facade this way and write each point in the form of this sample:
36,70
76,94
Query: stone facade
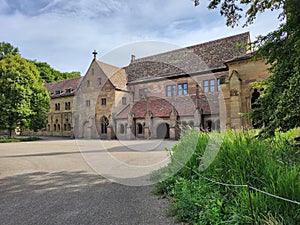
60,118
206,86
237,90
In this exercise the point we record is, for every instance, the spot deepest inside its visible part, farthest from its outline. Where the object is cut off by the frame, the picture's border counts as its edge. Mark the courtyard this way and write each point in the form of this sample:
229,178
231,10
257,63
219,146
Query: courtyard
65,181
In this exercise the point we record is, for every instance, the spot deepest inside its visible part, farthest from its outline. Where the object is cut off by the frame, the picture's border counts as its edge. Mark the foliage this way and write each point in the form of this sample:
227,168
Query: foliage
9,140
233,9
7,48
48,74
271,165
279,104
24,101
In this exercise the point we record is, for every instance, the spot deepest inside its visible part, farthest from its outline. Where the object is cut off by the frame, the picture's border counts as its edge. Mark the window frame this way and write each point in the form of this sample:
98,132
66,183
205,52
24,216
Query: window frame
124,101
103,101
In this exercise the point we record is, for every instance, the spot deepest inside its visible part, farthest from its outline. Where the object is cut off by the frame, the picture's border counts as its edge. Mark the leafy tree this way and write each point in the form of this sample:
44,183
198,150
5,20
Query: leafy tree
24,101
279,104
48,74
7,48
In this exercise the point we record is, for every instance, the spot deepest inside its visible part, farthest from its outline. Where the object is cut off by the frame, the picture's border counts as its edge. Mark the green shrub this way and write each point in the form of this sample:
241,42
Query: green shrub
233,158
9,140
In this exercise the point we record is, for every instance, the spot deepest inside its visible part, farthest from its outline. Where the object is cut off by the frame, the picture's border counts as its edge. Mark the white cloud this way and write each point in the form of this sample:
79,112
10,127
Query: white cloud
65,32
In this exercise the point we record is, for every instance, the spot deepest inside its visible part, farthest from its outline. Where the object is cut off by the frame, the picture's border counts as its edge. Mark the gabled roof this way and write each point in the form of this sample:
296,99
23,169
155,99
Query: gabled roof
62,86
198,58
108,69
115,75
119,79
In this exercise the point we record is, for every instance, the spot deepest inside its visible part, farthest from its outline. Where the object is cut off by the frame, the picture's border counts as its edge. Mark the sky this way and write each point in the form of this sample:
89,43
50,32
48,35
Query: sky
64,33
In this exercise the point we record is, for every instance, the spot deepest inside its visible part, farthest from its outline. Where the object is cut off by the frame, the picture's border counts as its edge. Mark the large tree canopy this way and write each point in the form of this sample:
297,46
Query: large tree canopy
279,104
48,74
24,101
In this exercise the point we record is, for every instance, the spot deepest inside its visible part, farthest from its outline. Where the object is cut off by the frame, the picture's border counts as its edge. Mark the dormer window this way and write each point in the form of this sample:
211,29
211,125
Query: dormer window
57,92
69,91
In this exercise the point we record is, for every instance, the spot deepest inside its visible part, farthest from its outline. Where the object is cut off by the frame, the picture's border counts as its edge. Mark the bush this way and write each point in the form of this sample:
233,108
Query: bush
233,158
8,140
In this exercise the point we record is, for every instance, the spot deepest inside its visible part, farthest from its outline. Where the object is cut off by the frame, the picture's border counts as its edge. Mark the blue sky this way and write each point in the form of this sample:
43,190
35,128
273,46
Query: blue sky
65,32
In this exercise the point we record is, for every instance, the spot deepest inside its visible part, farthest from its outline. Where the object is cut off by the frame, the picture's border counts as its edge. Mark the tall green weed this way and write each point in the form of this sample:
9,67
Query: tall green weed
232,157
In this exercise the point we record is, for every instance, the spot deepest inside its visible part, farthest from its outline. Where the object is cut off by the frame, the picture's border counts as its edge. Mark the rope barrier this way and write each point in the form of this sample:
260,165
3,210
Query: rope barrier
237,185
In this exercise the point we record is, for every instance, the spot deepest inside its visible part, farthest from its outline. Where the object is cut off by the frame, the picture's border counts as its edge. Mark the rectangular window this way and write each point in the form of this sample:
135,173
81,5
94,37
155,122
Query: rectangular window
171,90
57,106
103,101
67,105
87,103
219,85
212,85
183,89
205,86
174,90
124,101
209,85
143,93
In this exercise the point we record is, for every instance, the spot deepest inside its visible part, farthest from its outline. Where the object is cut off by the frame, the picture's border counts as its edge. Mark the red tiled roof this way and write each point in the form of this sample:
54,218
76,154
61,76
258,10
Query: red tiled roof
62,86
185,106
198,58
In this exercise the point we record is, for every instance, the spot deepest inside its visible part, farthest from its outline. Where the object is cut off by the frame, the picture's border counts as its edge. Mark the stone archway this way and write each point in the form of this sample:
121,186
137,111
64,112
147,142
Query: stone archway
163,131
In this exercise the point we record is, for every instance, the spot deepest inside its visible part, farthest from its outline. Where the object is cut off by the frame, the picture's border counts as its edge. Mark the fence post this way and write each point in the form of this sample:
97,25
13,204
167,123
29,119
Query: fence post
250,201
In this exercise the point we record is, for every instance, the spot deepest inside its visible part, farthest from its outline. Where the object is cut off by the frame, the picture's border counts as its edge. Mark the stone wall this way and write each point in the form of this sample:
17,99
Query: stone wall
237,89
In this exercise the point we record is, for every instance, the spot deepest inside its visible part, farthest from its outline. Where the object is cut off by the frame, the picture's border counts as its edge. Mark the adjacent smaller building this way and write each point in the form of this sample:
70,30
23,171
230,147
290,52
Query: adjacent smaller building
59,119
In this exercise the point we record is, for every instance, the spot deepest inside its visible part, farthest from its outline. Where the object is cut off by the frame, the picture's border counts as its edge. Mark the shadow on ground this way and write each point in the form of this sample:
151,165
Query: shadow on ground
76,198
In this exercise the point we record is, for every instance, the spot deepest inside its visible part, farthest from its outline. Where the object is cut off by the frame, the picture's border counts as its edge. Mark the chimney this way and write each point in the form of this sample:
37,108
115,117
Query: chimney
132,58
95,54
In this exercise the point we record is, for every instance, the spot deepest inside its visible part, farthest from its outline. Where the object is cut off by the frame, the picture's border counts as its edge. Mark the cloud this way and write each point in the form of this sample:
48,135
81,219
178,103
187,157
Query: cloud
65,32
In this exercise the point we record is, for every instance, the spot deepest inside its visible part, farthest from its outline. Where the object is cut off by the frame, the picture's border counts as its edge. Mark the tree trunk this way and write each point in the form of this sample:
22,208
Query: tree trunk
9,133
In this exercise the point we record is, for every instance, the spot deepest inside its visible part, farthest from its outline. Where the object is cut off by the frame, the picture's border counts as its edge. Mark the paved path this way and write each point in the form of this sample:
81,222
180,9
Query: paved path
53,182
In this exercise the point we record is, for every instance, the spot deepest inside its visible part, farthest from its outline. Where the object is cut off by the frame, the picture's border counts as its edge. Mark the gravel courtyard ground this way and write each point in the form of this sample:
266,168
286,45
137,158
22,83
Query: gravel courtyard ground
63,181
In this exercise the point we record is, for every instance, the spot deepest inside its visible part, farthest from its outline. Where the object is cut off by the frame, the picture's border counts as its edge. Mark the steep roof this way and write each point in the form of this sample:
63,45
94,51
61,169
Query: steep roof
119,79
198,58
108,69
62,86
117,76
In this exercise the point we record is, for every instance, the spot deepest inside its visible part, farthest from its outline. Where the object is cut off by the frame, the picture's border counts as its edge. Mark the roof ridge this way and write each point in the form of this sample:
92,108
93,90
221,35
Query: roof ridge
193,46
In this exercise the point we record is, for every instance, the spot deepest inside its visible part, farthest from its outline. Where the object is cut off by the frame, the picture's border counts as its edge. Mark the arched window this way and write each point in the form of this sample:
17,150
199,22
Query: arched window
58,127
54,127
126,126
65,127
48,127
122,129
209,125
217,124
69,126
104,124
140,128
254,97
